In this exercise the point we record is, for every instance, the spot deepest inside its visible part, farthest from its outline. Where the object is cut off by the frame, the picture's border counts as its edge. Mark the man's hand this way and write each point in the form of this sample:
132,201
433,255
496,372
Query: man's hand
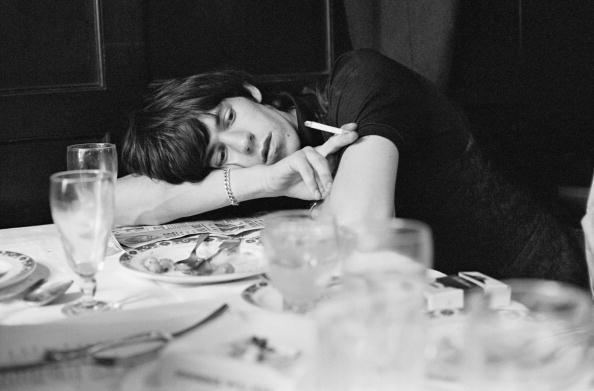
307,174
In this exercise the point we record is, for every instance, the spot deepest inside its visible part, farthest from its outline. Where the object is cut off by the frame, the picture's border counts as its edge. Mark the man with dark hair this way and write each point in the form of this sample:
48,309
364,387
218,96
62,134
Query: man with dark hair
414,156
167,138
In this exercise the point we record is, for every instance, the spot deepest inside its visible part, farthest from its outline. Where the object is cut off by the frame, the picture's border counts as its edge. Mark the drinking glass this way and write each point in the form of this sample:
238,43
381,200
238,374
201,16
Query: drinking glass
371,341
92,156
302,256
372,335
82,207
95,156
388,254
543,345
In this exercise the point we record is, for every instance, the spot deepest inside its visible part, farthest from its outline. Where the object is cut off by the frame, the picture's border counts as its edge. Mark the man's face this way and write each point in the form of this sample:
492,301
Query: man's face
244,133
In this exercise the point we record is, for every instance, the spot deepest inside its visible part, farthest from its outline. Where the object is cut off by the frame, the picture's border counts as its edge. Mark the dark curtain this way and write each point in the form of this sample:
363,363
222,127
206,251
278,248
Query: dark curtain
417,33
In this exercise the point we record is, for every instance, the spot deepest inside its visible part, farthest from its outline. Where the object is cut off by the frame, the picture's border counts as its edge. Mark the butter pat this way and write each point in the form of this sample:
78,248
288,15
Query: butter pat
498,292
440,297
454,289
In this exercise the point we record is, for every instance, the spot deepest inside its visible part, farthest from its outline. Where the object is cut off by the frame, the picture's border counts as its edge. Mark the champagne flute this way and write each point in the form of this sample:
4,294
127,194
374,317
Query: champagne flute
82,207
93,156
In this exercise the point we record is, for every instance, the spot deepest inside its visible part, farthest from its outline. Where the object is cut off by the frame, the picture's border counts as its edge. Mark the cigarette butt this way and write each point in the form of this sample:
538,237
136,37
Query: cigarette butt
322,127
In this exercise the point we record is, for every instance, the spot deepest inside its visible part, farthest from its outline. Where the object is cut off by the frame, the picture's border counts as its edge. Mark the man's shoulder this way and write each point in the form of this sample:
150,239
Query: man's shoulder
370,62
361,57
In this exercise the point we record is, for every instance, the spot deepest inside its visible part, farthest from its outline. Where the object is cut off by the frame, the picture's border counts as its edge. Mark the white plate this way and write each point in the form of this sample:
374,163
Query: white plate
247,261
14,267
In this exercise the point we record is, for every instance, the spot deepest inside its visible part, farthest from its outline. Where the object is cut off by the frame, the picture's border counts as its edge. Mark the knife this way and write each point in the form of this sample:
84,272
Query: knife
39,275
109,352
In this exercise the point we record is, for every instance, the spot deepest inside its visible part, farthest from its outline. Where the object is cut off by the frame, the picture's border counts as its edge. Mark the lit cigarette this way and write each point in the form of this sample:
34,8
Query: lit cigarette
325,128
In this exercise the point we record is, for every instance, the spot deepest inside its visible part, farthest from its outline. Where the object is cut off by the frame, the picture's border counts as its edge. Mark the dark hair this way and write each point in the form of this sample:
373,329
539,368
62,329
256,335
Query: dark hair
166,138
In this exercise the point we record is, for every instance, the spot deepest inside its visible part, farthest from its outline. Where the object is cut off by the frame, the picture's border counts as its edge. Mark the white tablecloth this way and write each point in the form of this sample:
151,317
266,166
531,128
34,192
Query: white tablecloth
151,304
115,283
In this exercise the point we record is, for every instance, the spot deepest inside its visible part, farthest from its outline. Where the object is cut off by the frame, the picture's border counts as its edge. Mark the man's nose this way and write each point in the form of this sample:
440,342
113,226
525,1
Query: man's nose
243,142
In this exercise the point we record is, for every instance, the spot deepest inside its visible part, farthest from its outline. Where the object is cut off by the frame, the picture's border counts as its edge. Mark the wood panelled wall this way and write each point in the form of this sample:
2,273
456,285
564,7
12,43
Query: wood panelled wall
70,71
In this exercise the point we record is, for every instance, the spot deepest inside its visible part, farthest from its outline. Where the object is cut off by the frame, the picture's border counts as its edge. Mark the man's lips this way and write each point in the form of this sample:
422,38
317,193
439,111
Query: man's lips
265,148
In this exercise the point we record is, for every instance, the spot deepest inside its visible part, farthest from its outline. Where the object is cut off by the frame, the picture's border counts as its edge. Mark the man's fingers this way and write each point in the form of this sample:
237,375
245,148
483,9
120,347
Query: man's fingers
323,175
351,127
307,174
338,141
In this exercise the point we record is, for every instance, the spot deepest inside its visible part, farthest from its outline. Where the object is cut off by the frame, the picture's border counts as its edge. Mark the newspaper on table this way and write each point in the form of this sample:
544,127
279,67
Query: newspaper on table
140,235
588,227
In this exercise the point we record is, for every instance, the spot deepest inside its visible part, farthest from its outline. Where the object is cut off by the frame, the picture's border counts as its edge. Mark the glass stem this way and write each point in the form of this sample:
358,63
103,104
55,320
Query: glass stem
88,287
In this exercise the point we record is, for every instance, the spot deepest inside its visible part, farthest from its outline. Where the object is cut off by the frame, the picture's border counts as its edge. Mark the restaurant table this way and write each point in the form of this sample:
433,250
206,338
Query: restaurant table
148,304
114,284
155,304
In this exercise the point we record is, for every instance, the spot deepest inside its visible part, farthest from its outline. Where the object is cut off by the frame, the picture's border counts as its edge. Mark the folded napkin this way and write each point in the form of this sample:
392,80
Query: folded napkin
588,227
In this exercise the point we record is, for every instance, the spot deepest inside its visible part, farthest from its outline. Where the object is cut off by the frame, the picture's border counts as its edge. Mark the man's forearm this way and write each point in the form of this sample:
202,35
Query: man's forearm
141,200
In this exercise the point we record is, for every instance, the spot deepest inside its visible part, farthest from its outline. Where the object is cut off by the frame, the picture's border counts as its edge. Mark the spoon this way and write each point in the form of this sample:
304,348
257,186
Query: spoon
204,266
193,259
46,293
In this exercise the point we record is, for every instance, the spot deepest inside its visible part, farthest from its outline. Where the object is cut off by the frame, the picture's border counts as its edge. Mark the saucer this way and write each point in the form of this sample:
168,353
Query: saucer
262,294
14,267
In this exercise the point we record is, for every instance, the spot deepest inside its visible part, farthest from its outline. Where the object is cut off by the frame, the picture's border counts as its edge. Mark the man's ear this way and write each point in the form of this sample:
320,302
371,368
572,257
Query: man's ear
254,91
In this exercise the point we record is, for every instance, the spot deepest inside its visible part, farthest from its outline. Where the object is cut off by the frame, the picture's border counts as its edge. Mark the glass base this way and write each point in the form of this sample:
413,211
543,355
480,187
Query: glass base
298,307
87,308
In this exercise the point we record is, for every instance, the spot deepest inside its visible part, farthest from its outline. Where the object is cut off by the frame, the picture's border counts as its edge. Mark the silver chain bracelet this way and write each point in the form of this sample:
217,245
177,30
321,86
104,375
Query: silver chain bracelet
230,195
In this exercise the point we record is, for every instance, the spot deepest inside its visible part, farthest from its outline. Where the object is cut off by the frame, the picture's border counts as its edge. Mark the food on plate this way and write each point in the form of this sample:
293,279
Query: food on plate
157,265
260,350
224,268
199,270
184,267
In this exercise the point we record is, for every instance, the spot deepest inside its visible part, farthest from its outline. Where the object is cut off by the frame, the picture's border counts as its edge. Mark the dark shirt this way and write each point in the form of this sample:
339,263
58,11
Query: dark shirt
479,221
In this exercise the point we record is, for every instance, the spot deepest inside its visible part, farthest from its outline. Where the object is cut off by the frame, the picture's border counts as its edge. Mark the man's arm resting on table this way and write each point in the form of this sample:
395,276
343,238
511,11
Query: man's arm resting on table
304,174
142,200
365,181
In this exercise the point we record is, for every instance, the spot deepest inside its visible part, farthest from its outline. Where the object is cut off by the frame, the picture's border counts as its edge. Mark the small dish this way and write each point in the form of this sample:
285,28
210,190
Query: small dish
16,267
262,294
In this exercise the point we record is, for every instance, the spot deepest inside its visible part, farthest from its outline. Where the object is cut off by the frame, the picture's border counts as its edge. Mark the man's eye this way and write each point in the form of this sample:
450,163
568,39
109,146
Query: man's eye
230,117
221,156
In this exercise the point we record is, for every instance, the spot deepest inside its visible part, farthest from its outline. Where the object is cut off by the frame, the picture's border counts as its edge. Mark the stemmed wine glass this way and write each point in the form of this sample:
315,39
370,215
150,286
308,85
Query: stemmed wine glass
82,207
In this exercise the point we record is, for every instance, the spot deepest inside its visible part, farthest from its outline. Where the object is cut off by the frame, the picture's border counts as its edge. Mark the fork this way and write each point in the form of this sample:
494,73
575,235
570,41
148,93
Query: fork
205,266
193,259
